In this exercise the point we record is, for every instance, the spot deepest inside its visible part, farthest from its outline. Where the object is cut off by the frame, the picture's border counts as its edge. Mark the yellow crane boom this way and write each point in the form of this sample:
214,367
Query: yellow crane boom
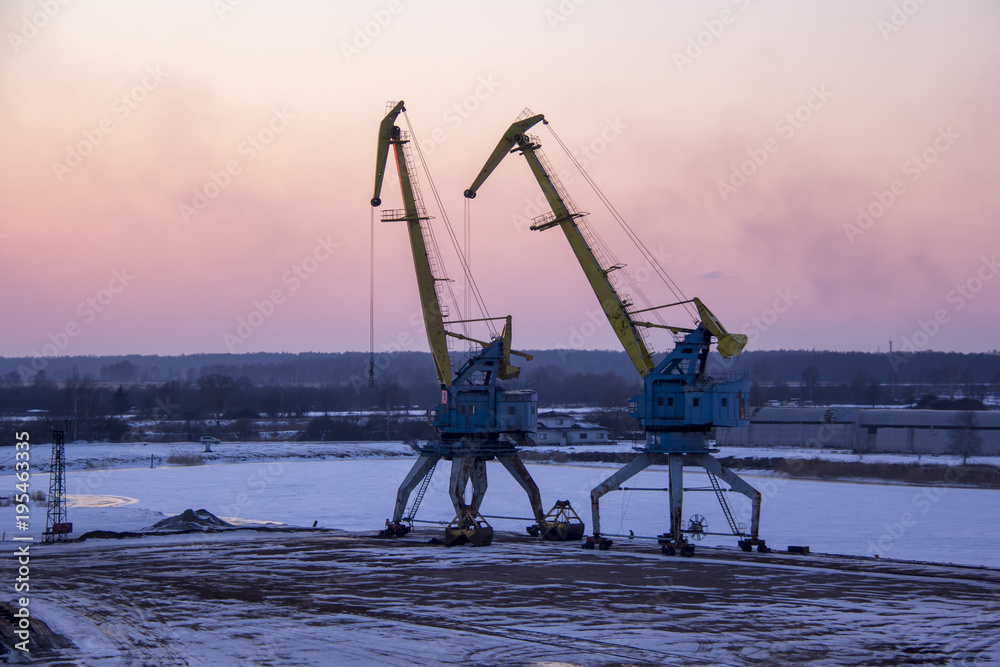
614,308
414,216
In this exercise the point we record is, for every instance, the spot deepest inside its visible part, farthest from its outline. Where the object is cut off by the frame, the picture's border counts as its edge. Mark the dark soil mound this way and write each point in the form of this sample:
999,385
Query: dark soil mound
189,520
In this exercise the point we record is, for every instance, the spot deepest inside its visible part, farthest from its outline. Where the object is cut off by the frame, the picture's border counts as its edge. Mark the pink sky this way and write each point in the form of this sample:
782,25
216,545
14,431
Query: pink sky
162,95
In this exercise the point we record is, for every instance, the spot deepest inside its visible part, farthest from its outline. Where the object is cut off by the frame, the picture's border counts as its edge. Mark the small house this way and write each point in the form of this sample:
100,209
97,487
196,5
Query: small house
562,428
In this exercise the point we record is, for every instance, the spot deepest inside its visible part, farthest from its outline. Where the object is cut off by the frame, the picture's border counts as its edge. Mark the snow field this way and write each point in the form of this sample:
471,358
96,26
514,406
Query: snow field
932,523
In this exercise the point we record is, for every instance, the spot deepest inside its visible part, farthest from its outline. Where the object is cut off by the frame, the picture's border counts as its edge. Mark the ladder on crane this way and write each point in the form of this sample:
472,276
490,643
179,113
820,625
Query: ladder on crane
412,512
721,495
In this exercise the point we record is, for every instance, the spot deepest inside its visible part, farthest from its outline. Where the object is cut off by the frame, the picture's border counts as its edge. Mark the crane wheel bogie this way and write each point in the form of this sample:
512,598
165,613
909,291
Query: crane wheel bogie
597,542
393,529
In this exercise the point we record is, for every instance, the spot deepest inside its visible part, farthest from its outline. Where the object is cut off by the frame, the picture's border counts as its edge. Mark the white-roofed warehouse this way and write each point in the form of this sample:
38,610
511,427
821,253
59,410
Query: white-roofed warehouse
863,430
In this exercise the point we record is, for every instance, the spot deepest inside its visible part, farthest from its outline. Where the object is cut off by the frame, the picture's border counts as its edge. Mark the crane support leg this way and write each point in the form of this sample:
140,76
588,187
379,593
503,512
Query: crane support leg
516,468
462,470
736,483
614,482
676,465
479,482
417,473
459,480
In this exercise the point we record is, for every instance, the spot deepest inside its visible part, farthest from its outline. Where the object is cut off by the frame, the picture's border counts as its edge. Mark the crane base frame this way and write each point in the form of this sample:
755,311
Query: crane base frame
675,463
468,464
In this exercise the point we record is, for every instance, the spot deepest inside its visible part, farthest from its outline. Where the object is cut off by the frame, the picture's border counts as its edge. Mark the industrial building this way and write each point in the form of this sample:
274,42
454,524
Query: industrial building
561,428
898,431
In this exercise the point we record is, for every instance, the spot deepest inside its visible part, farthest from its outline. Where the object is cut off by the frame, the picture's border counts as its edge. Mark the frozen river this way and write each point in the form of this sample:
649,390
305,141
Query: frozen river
940,524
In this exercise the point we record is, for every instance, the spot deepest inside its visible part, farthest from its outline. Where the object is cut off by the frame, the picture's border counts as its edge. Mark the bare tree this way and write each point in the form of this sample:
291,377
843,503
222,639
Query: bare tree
216,390
387,393
859,393
965,439
810,377
874,392
82,398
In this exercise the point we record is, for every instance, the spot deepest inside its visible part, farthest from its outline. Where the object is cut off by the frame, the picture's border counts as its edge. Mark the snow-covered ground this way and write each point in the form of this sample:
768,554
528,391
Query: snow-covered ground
95,455
89,456
268,599
942,524
628,446
335,599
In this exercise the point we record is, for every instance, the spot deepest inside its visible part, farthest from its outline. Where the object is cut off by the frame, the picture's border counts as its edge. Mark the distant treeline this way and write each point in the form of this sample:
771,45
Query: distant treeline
926,368
264,368
267,368
230,387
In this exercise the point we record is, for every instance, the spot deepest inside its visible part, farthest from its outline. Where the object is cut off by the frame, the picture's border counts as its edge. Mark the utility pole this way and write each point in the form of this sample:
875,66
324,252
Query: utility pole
56,527
892,373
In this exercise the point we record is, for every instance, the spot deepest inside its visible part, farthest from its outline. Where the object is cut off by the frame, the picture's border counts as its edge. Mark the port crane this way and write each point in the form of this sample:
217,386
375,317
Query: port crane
477,420
681,402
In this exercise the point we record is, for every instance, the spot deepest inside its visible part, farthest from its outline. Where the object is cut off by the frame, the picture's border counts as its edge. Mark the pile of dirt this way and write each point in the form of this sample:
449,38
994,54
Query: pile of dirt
106,535
187,521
